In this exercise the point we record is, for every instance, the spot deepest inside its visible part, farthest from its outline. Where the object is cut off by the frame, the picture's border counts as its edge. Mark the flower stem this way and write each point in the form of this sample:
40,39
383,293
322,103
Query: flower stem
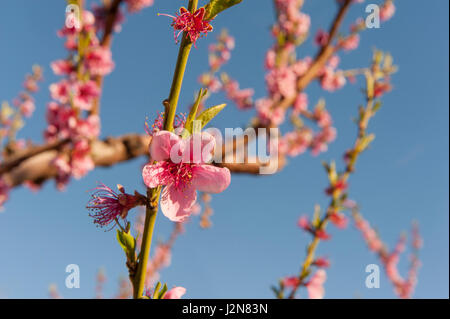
154,193
149,225
183,55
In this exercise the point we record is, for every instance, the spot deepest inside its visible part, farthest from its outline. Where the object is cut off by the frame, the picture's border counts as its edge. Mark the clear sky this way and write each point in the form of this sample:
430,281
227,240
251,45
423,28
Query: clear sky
254,240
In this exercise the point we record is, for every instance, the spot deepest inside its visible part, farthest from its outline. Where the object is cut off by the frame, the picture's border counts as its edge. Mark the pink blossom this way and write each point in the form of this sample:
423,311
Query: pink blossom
381,88
61,91
137,5
27,107
321,38
322,234
301,66
315,285
304,223
181,167
291,282
269,115
4,192
192,23
242,98
369,235
387,11
61,120
175,293
339,220
211,82
322,117
81,161
196,209
338,186
301,103
333,62
30,84
162,256
270,59
281,82
296,142
62,67
321,140
350,43
85,95
332,81
108,205
63,172
322,262
99,61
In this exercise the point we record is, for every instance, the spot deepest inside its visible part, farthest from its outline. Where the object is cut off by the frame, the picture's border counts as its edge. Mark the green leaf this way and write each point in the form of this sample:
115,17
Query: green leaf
316,216
377,106
208,114
365,141
162,292
155,293
193,113
128,243
214,7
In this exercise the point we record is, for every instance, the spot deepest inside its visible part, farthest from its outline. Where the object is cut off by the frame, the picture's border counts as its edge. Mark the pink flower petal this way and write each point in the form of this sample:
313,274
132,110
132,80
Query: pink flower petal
199,148
211,179
315,285
155,175
175,293
161,145
176,204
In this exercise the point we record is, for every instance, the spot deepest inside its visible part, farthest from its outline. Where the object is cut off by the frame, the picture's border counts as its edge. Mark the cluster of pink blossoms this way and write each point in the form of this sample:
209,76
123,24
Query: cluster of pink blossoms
23,105
25,102
403,287
314,285
219,54
69,116
11,121
281,81
290,20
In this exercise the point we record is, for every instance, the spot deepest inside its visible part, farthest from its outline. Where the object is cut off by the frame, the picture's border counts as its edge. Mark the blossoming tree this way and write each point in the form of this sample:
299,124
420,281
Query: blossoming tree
184,156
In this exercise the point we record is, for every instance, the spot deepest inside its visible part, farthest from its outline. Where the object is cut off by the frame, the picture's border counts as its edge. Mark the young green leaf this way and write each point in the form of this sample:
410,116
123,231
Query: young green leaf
162,292
208,114
193,113
128,243
214,7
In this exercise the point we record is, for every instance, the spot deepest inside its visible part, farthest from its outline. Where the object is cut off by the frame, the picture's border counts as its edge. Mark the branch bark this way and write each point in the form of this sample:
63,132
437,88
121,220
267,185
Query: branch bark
35,163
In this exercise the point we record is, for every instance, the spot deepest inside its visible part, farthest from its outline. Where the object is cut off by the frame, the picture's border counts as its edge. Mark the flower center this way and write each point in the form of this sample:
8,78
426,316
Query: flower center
181,174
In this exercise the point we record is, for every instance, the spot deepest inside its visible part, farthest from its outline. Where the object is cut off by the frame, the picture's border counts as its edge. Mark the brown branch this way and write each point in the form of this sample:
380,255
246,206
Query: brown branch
35,164
38,168
22,155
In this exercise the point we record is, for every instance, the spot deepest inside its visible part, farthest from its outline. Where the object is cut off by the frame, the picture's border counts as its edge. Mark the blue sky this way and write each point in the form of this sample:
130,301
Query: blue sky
254,240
